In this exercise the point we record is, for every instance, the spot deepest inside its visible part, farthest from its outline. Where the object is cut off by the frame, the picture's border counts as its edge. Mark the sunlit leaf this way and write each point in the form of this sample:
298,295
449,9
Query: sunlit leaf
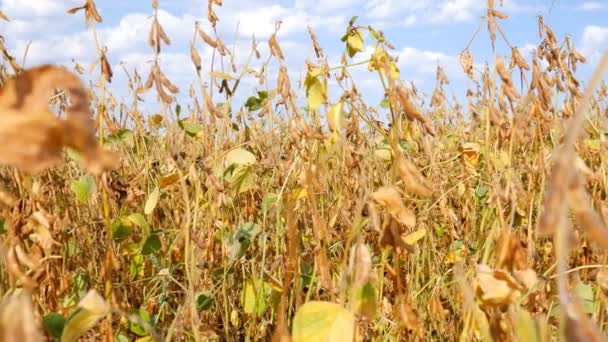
334,116
152,201
124,136
316,93
91,309
222,75
84,188
136,328
414,237
323,321
255,295
240,156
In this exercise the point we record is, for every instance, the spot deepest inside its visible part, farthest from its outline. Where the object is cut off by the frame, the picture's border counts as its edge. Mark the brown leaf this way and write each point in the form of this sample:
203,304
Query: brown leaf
32,137
389,197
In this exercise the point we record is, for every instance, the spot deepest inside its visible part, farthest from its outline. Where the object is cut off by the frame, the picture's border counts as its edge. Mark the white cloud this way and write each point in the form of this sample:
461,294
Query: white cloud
39,8
436,12
595,41
423,63
456,11
592,6
260,20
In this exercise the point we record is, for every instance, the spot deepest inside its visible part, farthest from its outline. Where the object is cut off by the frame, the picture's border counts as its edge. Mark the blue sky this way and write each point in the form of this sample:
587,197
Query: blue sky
424,33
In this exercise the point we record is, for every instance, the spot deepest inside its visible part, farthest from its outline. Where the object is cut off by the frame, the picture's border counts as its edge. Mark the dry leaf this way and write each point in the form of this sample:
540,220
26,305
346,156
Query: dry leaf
32,137
389,197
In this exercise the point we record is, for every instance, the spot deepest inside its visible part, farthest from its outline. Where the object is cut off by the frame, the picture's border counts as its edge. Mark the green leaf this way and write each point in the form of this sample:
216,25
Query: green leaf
75,155
584,292
84,188
240,156
136,328
241,178
594,144
152,201
53,324
139,220
253,103
122,338
366,301
268,200
323,321
385,103
352,20
204,302
178,109
3,226
124,136
91,309
481,191
527,327
121,229
152,245
137,265
315,92
191,128
254,297
242,238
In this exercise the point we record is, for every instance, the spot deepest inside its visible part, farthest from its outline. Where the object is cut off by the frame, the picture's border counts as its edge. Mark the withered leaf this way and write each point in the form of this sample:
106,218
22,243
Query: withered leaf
32,137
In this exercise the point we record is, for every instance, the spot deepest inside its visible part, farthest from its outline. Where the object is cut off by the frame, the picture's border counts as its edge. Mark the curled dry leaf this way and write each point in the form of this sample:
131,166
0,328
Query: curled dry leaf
470,157
412,178
496,287
32,137
389,197
90,12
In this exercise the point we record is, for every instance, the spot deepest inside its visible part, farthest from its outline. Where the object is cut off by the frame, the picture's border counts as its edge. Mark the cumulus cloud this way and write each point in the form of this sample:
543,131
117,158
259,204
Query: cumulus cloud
40,8
594,41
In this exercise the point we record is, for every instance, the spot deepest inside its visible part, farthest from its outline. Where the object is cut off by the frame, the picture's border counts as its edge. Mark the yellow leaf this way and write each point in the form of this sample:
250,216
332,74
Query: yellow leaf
414,237
315,92
91,309
384,153
334,116
355,42
152,201
222,75
240,156
323,321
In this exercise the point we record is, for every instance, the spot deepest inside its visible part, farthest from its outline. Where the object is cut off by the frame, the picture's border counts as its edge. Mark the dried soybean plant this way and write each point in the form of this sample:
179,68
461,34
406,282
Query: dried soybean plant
565,190
157,77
